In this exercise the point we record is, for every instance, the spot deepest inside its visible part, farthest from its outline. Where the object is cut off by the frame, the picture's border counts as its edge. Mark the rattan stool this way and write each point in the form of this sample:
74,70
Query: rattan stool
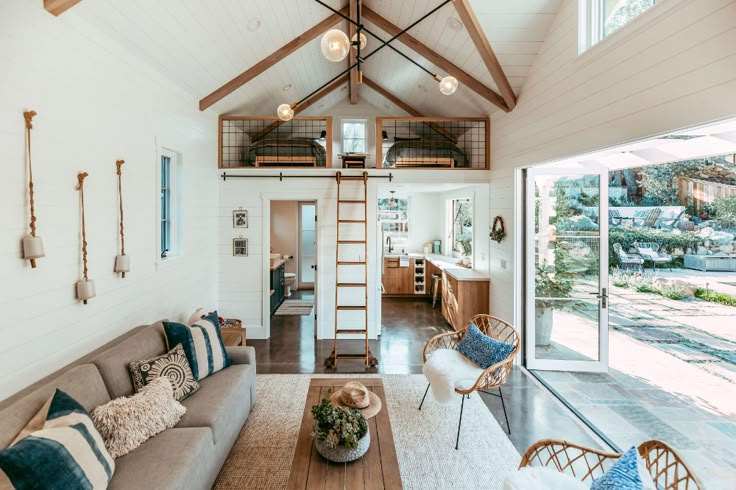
435,285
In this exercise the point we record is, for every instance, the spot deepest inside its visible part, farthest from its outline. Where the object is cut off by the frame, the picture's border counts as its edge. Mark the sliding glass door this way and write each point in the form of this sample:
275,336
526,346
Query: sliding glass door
567,270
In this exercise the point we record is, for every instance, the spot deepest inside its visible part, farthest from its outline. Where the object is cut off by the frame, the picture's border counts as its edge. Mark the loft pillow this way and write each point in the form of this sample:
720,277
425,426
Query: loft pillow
627,473
173,365
59,448
202,345
482,349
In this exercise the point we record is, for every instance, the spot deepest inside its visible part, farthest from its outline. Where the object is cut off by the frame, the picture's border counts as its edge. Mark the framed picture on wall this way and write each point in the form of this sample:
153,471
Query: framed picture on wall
240,247
240,218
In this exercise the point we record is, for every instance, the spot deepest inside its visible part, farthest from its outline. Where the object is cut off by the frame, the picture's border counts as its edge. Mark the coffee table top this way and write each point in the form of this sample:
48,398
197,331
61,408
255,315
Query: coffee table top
377,469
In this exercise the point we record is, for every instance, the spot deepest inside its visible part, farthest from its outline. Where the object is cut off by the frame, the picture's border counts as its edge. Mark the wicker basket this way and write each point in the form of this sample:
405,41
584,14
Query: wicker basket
342,454
667,468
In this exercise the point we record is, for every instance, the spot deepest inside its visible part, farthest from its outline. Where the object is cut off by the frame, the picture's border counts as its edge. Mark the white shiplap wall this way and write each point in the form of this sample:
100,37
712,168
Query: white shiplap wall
95,105
673,67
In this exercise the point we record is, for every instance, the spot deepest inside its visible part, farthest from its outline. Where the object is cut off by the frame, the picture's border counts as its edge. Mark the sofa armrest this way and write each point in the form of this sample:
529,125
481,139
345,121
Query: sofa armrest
242,355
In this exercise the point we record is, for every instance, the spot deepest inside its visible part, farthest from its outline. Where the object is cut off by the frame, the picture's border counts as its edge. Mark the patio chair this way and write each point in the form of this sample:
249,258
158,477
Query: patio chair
614,217
628,261
670,223
650,251
649,220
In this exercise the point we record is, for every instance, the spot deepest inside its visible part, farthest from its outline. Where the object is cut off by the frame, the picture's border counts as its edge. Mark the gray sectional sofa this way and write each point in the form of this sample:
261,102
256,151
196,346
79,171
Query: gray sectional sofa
188,456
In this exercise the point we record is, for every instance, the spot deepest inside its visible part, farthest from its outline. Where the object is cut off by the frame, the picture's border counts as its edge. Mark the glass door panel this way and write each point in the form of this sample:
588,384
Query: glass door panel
567,270
307,235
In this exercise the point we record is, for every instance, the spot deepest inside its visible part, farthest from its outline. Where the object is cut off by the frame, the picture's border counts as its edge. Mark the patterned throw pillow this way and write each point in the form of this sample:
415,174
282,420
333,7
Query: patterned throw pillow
202,344
482,349
172,365
127,422
59,448
623,475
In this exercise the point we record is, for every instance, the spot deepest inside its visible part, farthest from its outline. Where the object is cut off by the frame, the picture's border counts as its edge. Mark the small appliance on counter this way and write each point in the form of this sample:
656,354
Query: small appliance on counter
437,247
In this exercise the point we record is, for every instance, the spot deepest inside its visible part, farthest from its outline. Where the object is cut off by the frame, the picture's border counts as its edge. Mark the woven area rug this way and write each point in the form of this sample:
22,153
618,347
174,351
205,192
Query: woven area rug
295,307
425,440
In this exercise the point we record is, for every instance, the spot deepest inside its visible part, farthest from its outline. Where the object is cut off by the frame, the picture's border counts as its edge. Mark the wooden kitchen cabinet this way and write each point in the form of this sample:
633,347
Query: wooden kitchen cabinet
397,280
471,294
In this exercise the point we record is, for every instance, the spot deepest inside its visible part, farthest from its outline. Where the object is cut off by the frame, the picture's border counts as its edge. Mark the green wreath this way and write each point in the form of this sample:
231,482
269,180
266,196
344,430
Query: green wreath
497,230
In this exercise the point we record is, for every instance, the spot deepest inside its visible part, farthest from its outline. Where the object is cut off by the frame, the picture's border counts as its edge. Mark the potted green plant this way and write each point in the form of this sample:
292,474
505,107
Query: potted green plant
551,284
340,433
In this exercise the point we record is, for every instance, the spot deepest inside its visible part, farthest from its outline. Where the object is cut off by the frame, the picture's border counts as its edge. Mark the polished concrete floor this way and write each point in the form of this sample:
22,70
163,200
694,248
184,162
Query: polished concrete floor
407,324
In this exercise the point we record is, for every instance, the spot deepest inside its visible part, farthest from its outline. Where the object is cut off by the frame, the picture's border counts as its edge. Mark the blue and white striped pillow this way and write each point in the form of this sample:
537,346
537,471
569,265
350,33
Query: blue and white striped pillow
202,345
60,448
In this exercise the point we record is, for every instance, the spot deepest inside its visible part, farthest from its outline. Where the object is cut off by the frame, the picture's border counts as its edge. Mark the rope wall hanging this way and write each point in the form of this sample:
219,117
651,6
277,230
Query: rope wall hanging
122,261
85,288
32,244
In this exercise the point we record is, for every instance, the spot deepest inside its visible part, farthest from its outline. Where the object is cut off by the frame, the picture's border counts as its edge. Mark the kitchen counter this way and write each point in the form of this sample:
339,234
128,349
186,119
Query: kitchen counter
445,263
278,264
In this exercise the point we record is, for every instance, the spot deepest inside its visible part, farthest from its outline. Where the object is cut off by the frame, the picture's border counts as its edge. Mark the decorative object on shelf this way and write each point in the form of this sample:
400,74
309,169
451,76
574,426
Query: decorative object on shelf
240,218
240,247
340,433
498,231
85,288
32,244
122,261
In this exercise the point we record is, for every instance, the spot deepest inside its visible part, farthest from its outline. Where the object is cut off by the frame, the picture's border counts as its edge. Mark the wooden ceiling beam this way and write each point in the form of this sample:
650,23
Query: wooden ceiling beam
352,58
406,108
304,105
465,11
58,7
270,60
435,58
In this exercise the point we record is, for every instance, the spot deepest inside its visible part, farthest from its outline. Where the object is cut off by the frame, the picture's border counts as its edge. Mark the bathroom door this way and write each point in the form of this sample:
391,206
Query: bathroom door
307,244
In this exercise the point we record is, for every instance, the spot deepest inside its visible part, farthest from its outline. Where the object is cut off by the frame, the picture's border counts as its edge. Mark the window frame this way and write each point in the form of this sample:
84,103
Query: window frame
591,23
450,224
403,236
364,123
174,188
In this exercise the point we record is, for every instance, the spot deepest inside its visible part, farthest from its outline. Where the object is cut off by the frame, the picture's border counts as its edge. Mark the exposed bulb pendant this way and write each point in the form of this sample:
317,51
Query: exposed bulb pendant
285,112
335,45
448,85
363,41
392,200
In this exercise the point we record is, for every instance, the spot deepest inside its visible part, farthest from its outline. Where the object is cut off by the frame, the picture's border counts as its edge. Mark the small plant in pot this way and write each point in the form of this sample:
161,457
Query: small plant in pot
340,433
552,284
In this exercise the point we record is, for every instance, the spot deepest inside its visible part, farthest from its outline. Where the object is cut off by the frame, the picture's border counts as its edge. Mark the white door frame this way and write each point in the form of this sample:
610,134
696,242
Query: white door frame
600,365
300,283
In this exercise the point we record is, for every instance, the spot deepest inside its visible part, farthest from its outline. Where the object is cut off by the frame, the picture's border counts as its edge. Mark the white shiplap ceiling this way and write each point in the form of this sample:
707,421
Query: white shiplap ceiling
202,44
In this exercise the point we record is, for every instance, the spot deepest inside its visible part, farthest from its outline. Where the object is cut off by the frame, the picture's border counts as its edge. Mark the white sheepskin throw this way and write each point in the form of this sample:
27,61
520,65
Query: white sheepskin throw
541,478
447,369
127,422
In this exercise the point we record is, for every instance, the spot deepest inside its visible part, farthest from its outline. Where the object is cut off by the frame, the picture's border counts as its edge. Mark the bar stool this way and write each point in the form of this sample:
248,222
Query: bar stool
434,287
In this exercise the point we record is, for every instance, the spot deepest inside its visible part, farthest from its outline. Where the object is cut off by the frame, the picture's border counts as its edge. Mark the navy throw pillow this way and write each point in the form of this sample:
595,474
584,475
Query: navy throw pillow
482,349
202,345
623,475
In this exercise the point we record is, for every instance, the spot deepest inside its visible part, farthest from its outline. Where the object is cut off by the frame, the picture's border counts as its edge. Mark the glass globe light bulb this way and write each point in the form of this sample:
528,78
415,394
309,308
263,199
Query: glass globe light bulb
285,112
363,40
335,45
448,85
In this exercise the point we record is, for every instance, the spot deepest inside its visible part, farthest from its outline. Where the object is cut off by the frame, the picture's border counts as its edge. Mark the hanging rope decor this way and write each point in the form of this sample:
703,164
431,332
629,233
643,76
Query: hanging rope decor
32,244
122,261
498,232
85,287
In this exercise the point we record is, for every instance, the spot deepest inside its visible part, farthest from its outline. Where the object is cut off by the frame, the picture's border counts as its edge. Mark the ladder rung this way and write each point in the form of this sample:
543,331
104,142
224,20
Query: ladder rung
351,285
350,263
352,201
351,356
351,221
351,241
350,331
351,308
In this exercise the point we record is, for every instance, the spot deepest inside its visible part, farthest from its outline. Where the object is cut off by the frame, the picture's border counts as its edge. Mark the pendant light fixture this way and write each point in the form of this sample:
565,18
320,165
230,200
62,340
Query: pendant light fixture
392,200
335,45
363,41
448,84
285,112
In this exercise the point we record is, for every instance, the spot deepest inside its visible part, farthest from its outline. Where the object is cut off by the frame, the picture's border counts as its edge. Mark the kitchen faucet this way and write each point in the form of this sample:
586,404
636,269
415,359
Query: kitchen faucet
390,247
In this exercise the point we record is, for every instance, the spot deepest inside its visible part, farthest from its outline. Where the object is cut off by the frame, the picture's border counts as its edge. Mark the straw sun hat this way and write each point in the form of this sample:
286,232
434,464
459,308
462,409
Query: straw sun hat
355,395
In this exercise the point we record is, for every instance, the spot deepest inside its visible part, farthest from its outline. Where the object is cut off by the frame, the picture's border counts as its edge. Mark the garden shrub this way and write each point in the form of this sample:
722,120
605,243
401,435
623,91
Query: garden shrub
715,297
725,210
576,223
667,241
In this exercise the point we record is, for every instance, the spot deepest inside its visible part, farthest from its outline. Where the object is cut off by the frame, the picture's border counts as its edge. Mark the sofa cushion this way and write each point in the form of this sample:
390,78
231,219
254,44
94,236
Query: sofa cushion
83,383
174,459
212,406
173,366
113,363
202,343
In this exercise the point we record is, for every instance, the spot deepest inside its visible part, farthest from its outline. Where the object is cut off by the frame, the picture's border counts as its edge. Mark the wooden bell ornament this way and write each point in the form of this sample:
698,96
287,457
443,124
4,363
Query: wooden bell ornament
85,287
122,261
32,244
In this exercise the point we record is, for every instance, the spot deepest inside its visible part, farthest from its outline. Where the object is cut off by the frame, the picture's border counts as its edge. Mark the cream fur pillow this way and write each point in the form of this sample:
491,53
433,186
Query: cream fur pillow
127,422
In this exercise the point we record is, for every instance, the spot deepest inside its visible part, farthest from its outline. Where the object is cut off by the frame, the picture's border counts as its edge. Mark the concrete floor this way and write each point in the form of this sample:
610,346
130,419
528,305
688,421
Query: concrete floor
407,325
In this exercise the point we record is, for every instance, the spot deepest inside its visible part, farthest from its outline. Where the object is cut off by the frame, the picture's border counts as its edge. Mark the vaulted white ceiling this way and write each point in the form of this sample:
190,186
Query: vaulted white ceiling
202,44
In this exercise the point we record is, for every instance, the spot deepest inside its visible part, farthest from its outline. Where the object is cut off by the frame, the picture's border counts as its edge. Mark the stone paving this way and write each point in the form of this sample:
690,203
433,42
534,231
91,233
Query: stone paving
672,375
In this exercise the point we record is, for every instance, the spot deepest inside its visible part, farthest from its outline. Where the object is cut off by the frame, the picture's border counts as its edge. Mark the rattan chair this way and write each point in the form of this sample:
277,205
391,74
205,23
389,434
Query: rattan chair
667,468
493,377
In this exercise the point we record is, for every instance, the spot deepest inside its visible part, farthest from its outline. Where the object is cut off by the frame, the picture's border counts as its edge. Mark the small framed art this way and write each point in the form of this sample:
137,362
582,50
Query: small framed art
240,247
240,218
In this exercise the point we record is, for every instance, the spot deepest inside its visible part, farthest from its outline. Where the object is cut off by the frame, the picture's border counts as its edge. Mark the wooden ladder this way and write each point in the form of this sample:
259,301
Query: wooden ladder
367,356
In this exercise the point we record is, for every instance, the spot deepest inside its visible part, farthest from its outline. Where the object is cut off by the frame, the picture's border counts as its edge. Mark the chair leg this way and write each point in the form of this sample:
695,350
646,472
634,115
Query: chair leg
425,396
508,427
460,423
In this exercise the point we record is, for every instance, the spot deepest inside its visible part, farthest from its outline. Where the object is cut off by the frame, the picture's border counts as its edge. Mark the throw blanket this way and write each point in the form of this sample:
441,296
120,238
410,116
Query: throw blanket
447,369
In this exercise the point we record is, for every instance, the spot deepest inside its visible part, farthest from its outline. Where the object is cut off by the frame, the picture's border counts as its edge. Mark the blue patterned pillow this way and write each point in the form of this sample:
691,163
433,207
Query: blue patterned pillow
60,448
483,350
623,475
202,345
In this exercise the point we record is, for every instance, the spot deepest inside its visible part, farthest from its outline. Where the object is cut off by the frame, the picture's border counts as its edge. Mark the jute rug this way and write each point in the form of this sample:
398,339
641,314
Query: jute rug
425,440
295,307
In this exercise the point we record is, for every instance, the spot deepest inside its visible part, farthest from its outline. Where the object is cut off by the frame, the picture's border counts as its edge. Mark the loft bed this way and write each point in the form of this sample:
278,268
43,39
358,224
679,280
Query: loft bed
256,142
433,142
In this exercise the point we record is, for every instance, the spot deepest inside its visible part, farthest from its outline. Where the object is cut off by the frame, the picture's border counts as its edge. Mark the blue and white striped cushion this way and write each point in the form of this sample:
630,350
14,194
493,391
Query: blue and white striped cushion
62,450
202,345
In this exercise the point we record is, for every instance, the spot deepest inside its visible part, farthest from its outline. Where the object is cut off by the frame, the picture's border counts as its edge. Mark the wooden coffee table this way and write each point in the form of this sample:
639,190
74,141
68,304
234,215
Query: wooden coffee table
377,469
